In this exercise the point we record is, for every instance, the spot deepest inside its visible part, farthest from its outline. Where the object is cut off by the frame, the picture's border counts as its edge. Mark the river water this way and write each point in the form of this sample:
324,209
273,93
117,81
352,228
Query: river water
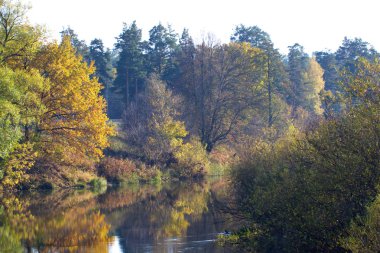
176,217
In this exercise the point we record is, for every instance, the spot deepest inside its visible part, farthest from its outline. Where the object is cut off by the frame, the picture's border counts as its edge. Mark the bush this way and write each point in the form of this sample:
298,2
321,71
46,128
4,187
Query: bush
303,192
151,174
191,160
116,170
119,170
221,159
363,233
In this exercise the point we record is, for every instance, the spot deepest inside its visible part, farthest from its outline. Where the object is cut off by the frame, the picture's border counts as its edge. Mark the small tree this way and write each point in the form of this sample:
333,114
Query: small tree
152,128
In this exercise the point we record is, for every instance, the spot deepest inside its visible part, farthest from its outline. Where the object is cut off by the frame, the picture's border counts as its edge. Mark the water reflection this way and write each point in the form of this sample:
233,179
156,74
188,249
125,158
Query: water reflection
181,217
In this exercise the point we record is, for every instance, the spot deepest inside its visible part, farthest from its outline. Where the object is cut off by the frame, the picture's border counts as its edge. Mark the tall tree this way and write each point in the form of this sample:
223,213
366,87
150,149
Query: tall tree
19,40
130,65
329,98
306,81
228,84
253,35
185,57
102,63
343,60
275,70
20,106
351,50
329,64
80,46
362,86
184,81
297,63
313,85
161,51
74,126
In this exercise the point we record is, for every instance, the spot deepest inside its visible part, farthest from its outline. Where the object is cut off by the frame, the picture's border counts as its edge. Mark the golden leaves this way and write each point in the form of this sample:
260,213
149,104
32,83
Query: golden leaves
75,124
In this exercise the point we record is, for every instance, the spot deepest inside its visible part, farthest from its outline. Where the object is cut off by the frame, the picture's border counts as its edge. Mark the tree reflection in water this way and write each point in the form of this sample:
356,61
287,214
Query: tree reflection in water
83,221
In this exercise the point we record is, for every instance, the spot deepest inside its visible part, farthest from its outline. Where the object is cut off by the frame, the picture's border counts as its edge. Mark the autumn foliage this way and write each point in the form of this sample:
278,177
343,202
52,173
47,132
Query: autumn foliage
74,126
51,110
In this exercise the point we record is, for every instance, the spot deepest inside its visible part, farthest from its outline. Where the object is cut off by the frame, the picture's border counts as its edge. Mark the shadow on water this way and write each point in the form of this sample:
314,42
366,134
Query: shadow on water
177,217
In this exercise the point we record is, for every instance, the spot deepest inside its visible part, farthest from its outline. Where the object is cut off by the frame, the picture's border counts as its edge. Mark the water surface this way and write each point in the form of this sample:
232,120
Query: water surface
178,217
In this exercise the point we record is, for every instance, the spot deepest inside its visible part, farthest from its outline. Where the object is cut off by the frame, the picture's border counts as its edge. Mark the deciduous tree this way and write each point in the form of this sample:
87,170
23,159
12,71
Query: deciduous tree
74,126
229,82
18,39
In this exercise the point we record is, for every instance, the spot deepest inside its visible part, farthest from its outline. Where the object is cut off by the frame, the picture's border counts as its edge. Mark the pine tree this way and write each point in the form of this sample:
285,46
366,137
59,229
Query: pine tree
161,51
130,69
102,63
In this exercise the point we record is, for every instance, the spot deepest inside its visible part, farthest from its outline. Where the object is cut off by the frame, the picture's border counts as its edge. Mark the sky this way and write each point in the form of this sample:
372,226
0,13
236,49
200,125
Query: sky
314,24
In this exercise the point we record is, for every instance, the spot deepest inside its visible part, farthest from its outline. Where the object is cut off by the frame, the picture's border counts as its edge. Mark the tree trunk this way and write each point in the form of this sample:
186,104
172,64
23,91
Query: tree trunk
270,109
127,91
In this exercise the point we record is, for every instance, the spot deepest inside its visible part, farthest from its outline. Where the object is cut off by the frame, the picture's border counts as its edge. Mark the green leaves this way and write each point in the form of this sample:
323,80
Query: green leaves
19,40
304,191
361,86
20,105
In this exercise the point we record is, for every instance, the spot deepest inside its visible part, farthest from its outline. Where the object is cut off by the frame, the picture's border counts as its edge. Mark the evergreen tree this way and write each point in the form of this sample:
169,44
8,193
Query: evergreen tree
130,69
344,60
184,79
329,64
80,46
253,35
351,50
161,52
102,62
297,63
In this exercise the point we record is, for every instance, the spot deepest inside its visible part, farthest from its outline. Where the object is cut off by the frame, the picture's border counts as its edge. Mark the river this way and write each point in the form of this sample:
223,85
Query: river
175,217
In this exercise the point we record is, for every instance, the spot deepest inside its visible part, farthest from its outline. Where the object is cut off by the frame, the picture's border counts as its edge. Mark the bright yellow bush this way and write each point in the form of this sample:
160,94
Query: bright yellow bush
192,160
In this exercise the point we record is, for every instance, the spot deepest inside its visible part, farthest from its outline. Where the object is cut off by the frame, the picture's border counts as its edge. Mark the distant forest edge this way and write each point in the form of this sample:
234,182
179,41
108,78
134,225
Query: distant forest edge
176,108
124,70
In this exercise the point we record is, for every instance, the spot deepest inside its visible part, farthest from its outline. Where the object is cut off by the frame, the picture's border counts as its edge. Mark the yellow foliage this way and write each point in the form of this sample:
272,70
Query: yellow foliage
191,159
19,161
75,228
191,202
313,85
74,127
174,131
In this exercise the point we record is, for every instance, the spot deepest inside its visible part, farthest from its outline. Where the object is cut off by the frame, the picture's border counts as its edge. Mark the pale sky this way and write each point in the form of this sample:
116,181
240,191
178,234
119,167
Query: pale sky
316,25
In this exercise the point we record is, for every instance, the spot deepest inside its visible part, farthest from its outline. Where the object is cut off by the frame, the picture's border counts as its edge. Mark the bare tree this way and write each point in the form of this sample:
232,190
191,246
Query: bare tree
227,84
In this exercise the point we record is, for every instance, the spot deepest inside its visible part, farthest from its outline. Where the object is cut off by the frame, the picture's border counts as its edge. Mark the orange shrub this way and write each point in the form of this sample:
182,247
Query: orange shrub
116,169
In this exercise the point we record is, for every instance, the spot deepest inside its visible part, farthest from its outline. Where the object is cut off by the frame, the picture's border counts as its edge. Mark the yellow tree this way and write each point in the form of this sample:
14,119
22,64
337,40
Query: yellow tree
313,85
74,128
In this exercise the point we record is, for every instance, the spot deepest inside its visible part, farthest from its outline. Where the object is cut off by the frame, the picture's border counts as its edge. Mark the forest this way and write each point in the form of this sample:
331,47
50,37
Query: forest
296,135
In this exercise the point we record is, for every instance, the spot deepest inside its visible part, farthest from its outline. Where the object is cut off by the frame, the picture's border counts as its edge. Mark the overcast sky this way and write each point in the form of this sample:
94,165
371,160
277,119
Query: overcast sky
316,25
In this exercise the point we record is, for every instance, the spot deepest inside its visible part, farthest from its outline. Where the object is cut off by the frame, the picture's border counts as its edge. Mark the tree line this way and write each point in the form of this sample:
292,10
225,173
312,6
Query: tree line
222,91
